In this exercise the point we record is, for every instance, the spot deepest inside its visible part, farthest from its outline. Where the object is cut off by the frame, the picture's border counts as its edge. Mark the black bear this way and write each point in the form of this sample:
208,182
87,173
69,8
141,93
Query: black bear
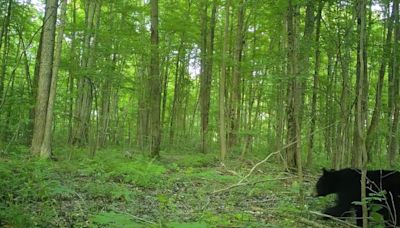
346,183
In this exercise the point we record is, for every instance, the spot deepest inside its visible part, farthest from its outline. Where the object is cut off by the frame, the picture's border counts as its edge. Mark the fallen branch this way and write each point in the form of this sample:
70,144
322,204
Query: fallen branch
141,219
310,223
333,218
240,183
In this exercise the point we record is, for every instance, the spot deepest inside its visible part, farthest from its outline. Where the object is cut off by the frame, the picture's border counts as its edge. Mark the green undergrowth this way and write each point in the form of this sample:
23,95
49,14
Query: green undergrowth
115,189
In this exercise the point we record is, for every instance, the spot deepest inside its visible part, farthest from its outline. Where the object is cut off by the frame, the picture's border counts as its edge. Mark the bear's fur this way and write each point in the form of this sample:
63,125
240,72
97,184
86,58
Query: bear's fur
346,183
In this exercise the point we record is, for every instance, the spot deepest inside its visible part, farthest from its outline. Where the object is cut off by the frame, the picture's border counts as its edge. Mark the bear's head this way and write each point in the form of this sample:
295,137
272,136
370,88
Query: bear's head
327,183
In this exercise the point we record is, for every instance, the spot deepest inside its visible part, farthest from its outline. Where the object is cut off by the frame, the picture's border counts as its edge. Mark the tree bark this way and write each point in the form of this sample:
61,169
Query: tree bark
142,133
222,84
71,73
4,33
45,150
315,86
177,102
83,106
375,120
207,66
359,150
236,78
394,80
45,76
155,86
294,91
343,142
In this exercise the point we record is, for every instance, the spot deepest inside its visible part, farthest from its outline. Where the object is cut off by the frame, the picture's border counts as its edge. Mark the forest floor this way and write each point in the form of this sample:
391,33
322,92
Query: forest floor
120,189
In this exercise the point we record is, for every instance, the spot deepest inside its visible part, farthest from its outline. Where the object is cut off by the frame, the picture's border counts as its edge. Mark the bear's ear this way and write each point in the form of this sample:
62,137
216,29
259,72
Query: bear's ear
324,171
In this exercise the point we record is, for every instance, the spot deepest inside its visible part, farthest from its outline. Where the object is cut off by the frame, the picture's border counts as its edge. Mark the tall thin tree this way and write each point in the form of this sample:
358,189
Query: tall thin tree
155,83
222,83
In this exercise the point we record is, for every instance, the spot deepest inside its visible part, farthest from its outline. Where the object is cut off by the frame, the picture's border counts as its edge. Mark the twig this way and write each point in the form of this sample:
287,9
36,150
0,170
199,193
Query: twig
333,218
229,187
141,219
311,223
240,183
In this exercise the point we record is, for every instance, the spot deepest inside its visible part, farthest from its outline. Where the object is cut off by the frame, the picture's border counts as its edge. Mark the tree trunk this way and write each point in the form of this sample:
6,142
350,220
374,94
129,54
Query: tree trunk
4,33
305,52
394,80
361,96
83,106
294,91
155,86
203,74
165,91
6,23
45,150
236,78
34,90
105,103
142,133
374,125
341,157
222,84
315,86
359,158
176,109
71,73
207,66
45,76
3,70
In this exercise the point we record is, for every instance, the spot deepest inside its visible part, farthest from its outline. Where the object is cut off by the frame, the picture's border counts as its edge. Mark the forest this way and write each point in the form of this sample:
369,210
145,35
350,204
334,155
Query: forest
192,113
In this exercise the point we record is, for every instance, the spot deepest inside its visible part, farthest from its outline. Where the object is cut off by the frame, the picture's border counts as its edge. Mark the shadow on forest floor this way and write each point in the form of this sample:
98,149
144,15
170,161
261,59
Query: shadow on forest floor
116,189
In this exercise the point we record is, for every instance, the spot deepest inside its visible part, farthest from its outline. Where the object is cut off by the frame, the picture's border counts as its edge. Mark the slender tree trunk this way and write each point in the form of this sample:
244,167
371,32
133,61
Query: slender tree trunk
45,76
71,73
361,96
34,90
341,158
236,78
203,74
83,106
4,33
3,70
222,83
105,103
315,86
155,86
165,91
394,76
9,117
305,52
45,150
207,66
6,23
359,158
176,109
294,91
279,104
143,107
375,120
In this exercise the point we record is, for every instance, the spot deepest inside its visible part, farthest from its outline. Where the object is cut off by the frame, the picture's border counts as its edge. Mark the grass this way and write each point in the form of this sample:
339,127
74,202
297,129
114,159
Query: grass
113,190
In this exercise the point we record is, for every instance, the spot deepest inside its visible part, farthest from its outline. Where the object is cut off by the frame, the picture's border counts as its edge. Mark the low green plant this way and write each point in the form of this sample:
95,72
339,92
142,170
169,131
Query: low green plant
16,215
140,173
113,219
185,225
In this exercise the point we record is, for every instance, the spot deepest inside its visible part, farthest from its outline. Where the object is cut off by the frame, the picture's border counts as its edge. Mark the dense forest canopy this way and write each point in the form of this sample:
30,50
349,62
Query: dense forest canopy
310,78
